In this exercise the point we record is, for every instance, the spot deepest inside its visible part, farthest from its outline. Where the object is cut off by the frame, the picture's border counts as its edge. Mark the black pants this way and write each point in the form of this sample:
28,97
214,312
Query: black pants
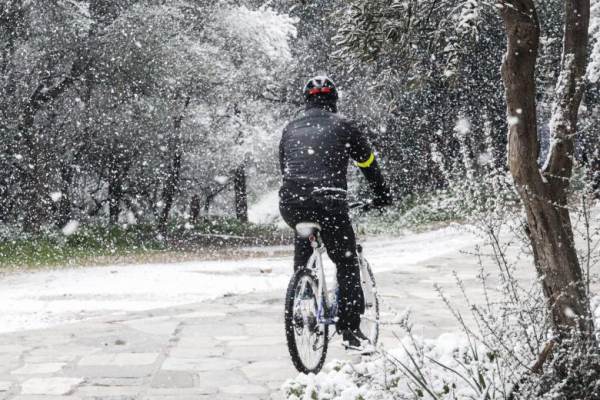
339,239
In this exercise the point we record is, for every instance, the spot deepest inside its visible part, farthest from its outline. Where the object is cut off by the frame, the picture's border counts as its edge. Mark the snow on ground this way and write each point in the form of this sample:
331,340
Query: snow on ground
47,298
266,210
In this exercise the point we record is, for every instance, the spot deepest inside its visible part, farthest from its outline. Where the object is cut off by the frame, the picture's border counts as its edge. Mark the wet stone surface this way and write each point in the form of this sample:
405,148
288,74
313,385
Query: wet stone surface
230,348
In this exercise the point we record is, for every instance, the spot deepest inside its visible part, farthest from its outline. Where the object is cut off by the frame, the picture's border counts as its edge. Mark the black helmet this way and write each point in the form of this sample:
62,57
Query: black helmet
320,85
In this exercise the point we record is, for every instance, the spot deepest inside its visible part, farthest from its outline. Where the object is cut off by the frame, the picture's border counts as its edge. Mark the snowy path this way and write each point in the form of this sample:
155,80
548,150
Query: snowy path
231,347
47,298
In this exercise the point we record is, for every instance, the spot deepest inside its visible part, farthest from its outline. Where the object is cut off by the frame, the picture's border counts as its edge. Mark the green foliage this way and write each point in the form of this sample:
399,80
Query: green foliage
88,242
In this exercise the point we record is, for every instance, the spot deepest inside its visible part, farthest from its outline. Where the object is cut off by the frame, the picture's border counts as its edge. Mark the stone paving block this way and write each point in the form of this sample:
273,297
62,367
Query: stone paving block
103,391
45,397
258,352
259,341
61,351
109,371
272,370
178,397
203,314
243,389
10,358
97,359
44,368
198,391
13,349
5,368
47,359
221,378
133,359
277,396
145,320
213,330
199,352
119,359
50,386
275,385
156,328
173,379
129,342
232,338
271,329
227,396
115,381
251,306
197,342
200,364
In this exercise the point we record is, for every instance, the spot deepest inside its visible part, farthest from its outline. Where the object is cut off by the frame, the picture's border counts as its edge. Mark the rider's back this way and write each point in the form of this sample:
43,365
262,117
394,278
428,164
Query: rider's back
314,152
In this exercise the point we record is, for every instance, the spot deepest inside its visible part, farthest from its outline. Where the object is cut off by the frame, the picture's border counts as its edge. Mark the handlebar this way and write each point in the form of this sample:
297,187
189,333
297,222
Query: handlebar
362,205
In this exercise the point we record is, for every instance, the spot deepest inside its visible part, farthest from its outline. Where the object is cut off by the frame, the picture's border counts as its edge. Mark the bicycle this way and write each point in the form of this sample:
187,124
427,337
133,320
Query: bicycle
310,308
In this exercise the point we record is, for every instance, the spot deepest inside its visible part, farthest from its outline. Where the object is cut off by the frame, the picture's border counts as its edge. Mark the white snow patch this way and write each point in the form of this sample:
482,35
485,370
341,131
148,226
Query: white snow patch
266,210
47,298
56,196
70,228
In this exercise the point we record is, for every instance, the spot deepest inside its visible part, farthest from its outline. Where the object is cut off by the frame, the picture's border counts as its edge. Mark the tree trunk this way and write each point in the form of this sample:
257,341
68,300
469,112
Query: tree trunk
195,210
545,196
172,183
116,179
65,206
207,202
35,186
115,193
241,197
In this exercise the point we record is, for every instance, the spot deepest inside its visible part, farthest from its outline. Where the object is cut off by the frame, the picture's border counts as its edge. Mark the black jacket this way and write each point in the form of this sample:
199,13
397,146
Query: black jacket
314,153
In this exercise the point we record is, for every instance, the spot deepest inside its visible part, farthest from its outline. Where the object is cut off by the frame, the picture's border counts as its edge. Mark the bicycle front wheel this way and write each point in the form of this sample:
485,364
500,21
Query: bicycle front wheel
369,324
306,338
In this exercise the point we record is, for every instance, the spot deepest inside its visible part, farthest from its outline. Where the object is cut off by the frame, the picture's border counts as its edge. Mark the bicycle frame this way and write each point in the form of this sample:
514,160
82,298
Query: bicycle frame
328,302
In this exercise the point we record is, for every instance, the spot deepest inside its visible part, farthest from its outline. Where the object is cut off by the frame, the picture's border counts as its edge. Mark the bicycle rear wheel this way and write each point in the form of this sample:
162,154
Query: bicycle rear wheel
369,324
306,338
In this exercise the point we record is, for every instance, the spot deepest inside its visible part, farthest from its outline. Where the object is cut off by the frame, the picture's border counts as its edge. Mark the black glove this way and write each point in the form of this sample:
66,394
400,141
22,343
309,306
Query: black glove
382,201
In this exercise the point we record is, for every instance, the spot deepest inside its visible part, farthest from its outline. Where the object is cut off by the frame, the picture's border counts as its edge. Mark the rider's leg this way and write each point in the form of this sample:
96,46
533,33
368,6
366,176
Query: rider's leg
340,242
302,249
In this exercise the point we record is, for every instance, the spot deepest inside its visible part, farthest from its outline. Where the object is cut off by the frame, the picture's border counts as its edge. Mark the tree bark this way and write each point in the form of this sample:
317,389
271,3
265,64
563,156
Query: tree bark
241,197
65,206
118,170
172,183
35,186
544,194
195,210
207,202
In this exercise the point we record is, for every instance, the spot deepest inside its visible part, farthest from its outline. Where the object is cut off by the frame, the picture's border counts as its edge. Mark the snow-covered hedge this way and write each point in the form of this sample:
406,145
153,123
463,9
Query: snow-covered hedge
451,367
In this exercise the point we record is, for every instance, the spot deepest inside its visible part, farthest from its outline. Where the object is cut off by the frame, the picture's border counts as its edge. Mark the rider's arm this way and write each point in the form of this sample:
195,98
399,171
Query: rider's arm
281,157
362,154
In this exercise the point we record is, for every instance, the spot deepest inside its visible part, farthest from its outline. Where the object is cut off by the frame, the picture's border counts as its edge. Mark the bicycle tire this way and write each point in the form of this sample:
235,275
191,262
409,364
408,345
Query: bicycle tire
371,327
303,275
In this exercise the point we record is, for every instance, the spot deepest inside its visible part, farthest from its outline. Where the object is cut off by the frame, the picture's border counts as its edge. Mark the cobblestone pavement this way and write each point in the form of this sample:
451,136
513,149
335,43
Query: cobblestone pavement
230,348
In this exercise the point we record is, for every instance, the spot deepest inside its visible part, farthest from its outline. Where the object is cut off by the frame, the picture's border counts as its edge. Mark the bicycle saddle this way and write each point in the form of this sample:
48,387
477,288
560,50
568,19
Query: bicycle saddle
306,229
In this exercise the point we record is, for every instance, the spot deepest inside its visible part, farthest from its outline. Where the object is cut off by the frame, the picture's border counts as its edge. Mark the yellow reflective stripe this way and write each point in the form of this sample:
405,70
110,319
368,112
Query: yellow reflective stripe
366,163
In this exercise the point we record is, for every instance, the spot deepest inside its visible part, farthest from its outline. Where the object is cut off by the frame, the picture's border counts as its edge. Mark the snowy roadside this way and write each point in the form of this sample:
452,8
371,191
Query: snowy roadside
47,298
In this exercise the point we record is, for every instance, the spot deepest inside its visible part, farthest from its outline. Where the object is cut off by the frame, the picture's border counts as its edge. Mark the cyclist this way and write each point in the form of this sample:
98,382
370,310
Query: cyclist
314,153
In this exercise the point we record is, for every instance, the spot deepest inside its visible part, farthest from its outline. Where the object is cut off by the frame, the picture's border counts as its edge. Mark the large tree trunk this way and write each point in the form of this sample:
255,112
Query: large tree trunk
117,173
241,196
172,183
195,210
545,195
65,206
35,186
